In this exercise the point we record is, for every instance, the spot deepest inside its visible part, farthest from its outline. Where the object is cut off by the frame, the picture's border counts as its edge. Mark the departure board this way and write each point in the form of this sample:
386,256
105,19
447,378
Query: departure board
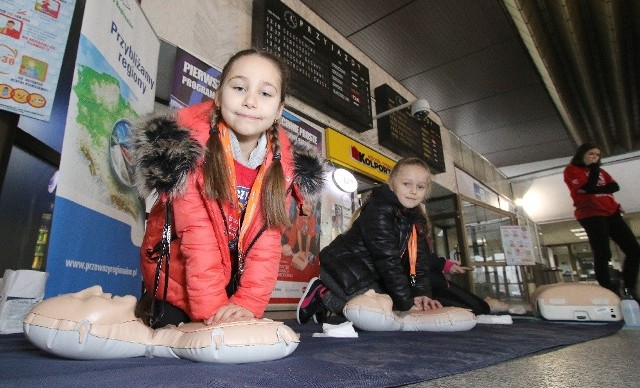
323,74
401,133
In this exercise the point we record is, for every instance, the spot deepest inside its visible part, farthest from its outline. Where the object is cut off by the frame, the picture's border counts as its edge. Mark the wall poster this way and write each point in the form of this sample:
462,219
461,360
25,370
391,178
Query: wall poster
517,245
33,36
300,242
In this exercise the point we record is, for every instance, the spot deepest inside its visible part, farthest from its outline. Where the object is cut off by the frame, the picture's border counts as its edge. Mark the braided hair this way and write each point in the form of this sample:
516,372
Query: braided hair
273,189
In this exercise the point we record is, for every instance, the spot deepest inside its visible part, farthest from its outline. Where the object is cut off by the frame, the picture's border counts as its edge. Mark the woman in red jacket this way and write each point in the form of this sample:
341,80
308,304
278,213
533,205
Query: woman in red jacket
600,215
224,173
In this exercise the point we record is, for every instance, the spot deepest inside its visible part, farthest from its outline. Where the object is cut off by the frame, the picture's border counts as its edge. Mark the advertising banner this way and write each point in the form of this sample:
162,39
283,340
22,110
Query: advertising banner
357,157
98,220
300,242
33,36
194,81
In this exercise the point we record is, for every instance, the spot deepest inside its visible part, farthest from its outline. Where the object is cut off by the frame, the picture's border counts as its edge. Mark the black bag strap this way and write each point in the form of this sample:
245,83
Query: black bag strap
237,271
162,250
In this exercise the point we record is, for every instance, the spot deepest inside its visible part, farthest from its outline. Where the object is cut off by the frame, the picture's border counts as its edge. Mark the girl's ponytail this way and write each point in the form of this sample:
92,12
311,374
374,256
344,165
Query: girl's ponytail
273,190
216,173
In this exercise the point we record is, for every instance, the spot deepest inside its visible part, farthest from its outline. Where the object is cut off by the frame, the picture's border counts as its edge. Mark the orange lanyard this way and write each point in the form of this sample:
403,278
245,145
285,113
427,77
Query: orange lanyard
254,194
413,253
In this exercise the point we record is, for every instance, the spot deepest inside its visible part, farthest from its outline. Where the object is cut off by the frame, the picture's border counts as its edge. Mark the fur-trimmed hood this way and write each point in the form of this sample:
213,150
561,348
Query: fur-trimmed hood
165,153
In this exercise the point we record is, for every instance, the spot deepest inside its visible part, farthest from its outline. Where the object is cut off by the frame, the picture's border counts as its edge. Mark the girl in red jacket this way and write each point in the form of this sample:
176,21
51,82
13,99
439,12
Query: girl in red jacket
600,215
224,173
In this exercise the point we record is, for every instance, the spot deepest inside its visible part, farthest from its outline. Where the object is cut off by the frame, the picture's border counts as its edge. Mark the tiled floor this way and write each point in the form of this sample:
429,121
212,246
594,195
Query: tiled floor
610,362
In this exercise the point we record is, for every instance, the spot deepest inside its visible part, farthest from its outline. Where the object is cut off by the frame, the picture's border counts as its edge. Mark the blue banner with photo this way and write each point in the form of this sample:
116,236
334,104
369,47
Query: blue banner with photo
98,219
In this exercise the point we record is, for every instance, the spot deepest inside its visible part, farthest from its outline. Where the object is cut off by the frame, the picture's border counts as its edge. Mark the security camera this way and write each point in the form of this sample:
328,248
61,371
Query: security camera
420,109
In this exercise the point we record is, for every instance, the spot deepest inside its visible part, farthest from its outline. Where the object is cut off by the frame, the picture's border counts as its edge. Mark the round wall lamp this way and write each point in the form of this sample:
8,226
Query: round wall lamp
344,180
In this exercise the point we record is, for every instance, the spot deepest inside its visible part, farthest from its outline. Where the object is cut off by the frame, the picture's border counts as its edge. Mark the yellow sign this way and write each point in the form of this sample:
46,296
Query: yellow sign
356,156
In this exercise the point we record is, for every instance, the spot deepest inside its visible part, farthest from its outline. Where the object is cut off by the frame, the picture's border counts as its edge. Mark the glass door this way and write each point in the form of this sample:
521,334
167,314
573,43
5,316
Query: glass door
446,231
491,277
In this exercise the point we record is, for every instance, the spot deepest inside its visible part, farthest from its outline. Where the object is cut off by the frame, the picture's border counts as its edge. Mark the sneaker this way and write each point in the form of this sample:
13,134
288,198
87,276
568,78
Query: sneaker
310,303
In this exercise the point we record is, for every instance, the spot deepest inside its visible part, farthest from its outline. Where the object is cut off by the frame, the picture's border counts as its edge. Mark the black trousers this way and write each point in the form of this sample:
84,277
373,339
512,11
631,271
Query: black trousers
452,296
336,298
456,296
599,231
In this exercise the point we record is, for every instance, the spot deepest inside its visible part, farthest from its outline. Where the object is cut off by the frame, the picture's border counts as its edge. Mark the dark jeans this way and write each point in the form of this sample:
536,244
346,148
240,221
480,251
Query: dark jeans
335,299
452,296
600,230
456,296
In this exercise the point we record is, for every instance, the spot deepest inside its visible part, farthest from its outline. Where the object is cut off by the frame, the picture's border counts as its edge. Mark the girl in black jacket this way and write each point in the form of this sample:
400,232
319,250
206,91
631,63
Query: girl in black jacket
385,249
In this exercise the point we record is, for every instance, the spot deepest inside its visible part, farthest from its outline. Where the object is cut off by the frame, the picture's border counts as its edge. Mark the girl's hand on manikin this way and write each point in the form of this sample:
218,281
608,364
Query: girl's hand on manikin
229,313
424,303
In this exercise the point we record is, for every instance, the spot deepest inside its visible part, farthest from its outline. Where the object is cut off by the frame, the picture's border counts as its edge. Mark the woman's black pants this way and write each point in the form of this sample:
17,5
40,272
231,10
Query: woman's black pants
599,231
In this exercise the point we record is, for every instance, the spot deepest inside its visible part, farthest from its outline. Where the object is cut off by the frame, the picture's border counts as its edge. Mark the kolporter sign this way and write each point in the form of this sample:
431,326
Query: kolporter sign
357,157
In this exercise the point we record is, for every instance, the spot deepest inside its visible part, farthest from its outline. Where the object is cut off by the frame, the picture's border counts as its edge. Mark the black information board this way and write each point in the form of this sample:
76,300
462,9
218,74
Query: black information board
323,74
406,136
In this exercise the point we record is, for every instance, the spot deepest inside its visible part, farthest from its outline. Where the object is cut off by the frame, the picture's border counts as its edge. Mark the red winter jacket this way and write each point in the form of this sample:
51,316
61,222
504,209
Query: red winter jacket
589,204
200,264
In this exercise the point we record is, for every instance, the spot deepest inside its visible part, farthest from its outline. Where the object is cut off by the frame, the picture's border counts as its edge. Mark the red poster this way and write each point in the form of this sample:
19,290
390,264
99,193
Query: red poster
300,242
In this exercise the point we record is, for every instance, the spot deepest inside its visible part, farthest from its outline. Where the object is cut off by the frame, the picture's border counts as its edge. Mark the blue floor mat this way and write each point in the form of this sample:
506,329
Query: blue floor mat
374,359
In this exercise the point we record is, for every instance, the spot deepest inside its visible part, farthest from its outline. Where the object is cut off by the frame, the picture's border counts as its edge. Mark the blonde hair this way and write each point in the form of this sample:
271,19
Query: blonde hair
411,161
216,175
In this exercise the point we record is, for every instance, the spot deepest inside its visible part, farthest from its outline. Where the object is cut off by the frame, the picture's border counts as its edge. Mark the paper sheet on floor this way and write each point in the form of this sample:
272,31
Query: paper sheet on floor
494,319
343,330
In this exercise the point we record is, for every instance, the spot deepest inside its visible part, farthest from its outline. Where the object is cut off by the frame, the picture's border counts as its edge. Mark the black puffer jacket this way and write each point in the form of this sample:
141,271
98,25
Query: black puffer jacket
374,250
